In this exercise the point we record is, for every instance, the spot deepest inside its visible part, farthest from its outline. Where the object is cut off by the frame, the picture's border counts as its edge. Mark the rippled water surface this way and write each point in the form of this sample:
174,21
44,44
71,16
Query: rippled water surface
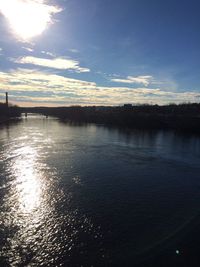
77,195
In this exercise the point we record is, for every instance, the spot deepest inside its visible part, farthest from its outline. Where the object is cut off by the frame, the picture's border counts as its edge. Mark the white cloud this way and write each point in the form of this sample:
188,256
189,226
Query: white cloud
26,80
48,53
56,63
41,87
145,80
28,49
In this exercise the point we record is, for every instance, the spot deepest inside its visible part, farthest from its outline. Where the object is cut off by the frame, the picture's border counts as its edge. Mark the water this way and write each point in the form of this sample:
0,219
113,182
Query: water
86,195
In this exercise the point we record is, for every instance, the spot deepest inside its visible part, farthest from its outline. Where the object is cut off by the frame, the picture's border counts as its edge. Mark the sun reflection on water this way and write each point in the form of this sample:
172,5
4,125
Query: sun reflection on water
27,207
28,180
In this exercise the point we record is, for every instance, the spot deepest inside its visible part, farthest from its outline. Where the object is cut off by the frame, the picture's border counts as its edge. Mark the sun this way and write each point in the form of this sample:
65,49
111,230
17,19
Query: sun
27,18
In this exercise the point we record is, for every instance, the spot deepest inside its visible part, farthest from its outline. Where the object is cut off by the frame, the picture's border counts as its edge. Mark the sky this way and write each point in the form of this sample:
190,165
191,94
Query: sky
99,52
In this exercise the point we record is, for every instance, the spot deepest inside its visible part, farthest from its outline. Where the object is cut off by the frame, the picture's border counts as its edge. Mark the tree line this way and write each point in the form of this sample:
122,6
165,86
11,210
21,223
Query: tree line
183,117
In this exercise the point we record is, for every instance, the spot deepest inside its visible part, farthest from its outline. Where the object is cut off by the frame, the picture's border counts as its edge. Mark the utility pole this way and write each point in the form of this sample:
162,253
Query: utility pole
7,99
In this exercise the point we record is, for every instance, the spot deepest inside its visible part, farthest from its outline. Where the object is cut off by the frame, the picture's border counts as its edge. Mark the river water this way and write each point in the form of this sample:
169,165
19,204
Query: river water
86,195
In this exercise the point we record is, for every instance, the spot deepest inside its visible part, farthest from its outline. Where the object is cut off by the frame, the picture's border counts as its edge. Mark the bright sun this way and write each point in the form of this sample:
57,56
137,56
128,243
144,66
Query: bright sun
27,18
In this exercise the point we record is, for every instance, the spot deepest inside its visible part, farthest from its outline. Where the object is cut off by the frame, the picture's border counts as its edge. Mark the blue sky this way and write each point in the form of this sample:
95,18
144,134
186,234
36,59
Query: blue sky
99,52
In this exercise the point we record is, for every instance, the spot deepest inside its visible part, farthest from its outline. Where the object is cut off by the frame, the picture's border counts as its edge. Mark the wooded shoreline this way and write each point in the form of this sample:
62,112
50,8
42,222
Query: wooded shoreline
183,117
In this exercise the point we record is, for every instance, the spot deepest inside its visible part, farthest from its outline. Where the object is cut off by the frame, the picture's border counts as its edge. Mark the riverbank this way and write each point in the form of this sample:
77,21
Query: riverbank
183,118
6,113
4,120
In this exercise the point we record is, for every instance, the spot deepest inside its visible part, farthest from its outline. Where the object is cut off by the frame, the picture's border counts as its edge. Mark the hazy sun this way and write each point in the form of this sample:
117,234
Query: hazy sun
28,18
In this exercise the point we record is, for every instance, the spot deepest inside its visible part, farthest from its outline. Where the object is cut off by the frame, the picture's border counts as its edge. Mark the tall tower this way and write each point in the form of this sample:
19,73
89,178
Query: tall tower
7,99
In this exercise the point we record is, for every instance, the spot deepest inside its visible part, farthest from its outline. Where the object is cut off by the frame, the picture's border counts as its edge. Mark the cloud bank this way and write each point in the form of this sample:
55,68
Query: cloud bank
37,87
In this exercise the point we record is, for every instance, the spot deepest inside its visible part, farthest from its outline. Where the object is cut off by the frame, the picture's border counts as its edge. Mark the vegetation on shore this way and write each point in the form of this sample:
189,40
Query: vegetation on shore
182,117
8,112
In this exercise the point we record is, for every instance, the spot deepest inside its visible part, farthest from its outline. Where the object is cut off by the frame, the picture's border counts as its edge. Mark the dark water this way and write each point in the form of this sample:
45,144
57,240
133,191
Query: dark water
73,195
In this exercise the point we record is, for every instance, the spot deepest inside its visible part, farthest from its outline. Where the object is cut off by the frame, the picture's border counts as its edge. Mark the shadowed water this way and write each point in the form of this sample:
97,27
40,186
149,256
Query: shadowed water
86,195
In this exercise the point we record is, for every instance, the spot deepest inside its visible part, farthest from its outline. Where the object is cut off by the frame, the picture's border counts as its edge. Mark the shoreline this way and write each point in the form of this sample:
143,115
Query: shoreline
4,120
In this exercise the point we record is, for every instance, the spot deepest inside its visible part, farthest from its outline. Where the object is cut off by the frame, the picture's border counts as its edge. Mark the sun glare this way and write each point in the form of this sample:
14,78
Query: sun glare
27,18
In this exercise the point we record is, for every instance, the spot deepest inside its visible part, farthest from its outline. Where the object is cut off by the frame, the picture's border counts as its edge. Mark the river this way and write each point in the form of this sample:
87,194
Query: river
88,195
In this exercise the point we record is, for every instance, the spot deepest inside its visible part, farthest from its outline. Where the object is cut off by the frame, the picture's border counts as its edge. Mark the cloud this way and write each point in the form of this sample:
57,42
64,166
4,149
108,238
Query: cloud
56,63
145,80
48,53
26,80
42,88
28,49
74,50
